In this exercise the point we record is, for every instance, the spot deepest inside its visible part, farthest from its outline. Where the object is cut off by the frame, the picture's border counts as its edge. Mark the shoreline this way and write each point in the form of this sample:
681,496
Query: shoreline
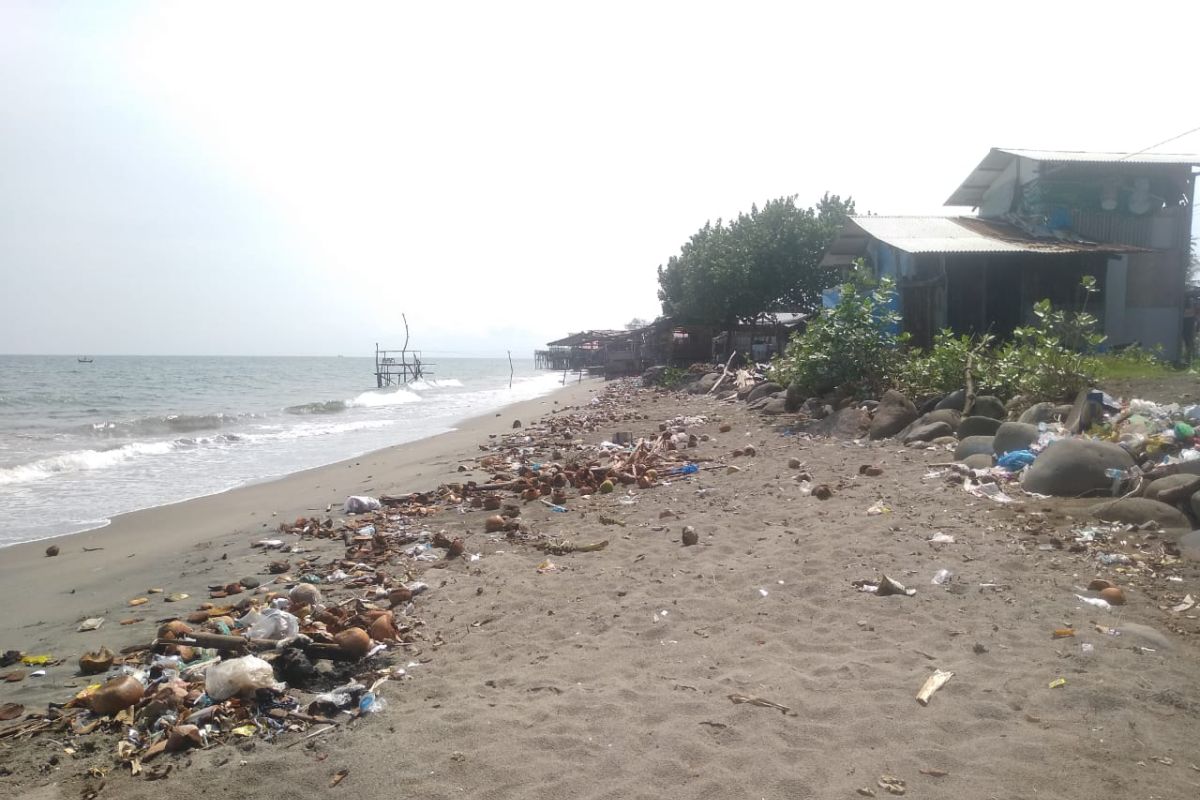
268,479
99,569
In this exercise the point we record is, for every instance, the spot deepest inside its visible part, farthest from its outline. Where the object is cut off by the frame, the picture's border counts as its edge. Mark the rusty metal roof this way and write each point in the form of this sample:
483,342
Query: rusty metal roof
970,193
950,235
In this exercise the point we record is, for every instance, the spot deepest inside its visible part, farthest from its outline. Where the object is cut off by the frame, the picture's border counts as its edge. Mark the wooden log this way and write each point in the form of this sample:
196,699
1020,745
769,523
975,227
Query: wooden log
724,373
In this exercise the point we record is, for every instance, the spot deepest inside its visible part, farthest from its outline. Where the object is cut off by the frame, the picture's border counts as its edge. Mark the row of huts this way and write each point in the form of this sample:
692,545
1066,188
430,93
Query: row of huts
1041,221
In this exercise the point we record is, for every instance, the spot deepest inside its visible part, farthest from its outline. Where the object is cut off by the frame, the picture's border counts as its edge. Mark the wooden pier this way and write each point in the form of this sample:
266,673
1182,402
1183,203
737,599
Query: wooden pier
398,367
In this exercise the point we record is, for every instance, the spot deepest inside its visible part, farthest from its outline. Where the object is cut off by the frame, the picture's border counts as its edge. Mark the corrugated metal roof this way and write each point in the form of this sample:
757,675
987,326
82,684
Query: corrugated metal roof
970,193
950,235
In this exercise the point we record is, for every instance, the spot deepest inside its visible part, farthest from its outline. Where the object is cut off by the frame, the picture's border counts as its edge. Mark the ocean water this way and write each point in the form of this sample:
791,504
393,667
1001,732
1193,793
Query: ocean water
80,443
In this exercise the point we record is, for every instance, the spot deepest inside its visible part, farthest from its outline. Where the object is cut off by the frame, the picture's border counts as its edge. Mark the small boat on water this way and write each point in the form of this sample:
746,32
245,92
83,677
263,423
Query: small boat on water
84,360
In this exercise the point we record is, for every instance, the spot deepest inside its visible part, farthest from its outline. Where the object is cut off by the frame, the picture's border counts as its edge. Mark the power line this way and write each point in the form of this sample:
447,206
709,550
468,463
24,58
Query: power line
1159,144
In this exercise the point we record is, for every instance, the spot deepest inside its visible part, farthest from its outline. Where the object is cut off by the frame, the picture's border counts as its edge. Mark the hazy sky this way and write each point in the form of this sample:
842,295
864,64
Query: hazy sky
287,178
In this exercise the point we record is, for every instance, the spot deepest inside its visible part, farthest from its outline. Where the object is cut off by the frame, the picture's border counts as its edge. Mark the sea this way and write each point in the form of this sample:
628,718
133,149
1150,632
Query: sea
82,442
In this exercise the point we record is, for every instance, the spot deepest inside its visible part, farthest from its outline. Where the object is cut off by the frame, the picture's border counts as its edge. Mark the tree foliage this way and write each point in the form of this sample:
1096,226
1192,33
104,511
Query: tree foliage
765,260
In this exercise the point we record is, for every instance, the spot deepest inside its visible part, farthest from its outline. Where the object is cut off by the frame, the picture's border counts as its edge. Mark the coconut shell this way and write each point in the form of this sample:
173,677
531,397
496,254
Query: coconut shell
383,629
1113,595
96,662
354,641
491,502
494,523
182,737
175,629
456,549
304,594
1100,585
118,694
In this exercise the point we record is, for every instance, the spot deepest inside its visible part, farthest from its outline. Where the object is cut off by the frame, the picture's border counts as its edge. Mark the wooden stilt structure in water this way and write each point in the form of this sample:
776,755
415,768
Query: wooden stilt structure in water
397,367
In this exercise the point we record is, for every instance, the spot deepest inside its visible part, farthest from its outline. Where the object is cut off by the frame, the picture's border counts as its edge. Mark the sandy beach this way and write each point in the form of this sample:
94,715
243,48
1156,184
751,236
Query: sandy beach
748,665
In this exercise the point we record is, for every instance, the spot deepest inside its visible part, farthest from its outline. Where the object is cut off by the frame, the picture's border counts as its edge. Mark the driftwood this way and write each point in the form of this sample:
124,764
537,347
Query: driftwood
241,645
724,373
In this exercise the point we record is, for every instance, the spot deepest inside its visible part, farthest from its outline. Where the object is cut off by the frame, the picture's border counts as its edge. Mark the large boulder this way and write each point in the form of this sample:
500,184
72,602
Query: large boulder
795,396
1039,412
762,390
956,400
1138,511
1014,436
928,432
775,406
653,376
894,413
980,461
946,415
988,406
1173,488
705,383
1083,413
973,445
847,423
1075,467
977,426
1189,546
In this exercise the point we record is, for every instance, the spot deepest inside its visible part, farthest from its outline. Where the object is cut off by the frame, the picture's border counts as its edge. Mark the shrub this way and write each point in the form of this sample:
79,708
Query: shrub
942,369
851,346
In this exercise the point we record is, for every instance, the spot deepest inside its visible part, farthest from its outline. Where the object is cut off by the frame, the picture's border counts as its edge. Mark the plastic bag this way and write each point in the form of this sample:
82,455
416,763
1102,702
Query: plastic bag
1016,460
234,676
271,623
357,504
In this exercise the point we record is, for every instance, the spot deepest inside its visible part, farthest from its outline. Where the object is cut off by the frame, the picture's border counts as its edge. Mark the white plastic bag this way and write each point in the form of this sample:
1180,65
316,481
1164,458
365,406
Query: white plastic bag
271,623
234,676
356,504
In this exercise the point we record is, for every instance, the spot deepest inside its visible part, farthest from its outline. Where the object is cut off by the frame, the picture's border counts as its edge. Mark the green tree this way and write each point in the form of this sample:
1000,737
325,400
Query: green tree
765,260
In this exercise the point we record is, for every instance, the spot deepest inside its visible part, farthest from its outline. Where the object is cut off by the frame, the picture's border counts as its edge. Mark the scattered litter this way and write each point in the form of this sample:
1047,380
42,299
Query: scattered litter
1058,683
91,624
1187,603
1098,602
891,784
934,682
941,538
942,576
877,508
883,587
758,701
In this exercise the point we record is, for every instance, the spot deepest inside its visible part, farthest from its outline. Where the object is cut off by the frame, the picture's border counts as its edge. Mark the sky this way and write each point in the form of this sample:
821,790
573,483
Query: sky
288,178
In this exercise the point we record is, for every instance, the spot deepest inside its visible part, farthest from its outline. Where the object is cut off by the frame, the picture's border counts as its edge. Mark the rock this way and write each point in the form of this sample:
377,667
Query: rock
1189,546
950,416
1039,412
1173,488
848,423
980,461
1014,436
929,404
775,406
52,551
945,440
923,433
973,445
955,400
795,396
516,423
1138,511
978,426
989,406
1194,503
1083,413
705,383
690,537
1061,412
1075,467
762,390
895,412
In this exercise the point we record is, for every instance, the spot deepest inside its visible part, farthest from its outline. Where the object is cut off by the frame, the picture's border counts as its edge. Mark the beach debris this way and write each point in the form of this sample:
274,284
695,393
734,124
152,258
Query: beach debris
870,470
941,577
934,682
1098,602
1113,595
883,587
96,661
116,695
11,711
877,508
359,504
891,784
1187,603
139,601
14,676
1062,633
1058,683
341,774
689,536
1099,585
865,791
560,547
749,699
52,551
794,463
234,676
547,566
605,519
933,773
822,491
90,624
940,538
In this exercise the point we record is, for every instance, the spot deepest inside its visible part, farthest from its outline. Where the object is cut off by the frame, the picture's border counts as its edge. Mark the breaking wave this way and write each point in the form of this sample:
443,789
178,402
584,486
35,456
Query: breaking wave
379,399
81,460
165,424
327,407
